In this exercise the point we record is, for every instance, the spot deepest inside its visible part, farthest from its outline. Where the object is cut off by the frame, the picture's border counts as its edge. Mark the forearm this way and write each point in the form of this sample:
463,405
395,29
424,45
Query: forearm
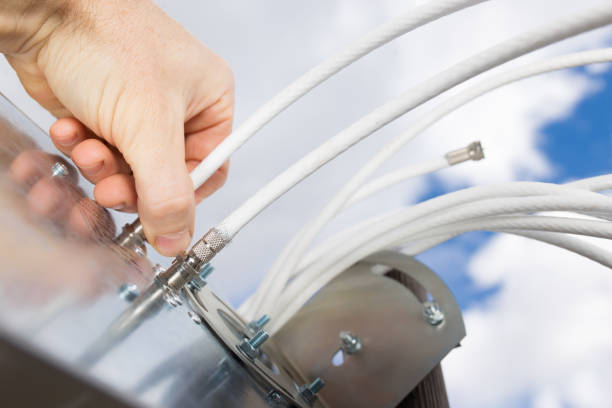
26,23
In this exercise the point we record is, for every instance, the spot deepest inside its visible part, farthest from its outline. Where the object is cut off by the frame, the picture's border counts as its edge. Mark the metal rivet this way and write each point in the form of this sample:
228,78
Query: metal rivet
309,393
250,347
258,324
351,343
433,313
128,292
59,170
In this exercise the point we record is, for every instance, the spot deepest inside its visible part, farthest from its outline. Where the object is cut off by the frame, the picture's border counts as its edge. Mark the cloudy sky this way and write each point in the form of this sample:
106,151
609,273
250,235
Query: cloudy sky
538,318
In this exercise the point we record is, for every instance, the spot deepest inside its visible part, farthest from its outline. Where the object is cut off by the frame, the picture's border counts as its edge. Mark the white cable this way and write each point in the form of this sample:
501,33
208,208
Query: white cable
446,202
576,226
338,244
417,17
397,176
369,189
385,233
459,73
568,242
294,254
492,57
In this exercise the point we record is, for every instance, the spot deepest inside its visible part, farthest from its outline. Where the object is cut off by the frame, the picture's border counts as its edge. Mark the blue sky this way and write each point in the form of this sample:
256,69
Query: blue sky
577,146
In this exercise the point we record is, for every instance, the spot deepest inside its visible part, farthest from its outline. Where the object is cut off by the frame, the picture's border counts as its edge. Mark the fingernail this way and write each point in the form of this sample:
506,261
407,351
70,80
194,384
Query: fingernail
93,170
119,207
65,142
171,244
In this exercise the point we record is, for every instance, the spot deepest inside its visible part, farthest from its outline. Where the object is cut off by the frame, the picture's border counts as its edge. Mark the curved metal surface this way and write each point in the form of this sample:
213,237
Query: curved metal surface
59,276
269,368
398,346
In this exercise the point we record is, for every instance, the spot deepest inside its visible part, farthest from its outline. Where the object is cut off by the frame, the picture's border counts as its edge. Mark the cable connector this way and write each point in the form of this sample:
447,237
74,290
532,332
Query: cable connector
132,239
206,248
473,151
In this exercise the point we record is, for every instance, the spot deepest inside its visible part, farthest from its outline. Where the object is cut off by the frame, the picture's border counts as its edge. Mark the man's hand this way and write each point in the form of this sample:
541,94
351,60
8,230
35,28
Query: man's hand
141,102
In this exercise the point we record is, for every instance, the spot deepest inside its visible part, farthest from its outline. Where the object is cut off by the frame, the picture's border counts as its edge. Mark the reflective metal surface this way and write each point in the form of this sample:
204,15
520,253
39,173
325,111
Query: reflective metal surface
60,273
398,346
86,310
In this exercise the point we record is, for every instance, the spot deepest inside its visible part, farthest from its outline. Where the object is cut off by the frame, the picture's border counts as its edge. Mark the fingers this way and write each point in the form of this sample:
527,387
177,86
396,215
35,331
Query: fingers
117,192
97,161
166,201
67,133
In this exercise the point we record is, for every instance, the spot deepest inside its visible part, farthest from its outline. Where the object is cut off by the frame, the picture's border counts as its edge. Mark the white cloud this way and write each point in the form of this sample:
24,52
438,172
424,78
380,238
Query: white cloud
545,336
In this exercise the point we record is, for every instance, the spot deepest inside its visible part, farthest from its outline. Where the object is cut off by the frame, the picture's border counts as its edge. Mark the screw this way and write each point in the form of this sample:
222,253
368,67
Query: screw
433,313
275,399
258,324
309,393
195,317
199,281
251,347
206,270
59,170
128,292
351,343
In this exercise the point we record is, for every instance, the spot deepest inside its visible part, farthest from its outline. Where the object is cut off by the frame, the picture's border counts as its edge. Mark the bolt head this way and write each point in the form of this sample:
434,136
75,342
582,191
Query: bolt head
351,343
433,313
59,170
128,292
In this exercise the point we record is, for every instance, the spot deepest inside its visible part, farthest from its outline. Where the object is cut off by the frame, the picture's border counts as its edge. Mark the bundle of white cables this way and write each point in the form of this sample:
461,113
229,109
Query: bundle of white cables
299,273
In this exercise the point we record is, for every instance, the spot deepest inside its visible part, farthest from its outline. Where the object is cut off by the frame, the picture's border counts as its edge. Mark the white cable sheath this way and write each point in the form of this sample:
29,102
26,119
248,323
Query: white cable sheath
291,256
326,268
565,241
395,177
561,29
479,63
417,17
343,241
447,202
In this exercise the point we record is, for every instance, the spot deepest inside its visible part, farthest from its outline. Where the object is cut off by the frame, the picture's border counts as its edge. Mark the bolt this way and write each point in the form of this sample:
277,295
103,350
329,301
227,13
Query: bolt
251,347
309,393
199,281
195,317
59,170
206,270
351,343
433,313
274,399
258,324
128,292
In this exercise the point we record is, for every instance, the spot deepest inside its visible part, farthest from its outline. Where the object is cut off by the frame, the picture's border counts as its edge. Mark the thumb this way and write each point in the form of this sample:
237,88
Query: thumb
166,202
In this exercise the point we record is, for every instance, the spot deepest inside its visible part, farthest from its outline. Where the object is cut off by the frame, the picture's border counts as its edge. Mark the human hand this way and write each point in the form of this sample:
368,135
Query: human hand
141,103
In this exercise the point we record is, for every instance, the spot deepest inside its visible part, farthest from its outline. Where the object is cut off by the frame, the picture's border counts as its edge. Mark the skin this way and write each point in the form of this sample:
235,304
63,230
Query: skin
139,102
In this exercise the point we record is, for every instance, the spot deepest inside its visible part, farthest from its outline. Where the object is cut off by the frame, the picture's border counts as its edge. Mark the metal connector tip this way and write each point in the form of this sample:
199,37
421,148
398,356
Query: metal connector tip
473,151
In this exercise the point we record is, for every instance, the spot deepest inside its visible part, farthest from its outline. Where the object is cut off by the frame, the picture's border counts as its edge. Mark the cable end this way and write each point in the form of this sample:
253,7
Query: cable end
473,151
